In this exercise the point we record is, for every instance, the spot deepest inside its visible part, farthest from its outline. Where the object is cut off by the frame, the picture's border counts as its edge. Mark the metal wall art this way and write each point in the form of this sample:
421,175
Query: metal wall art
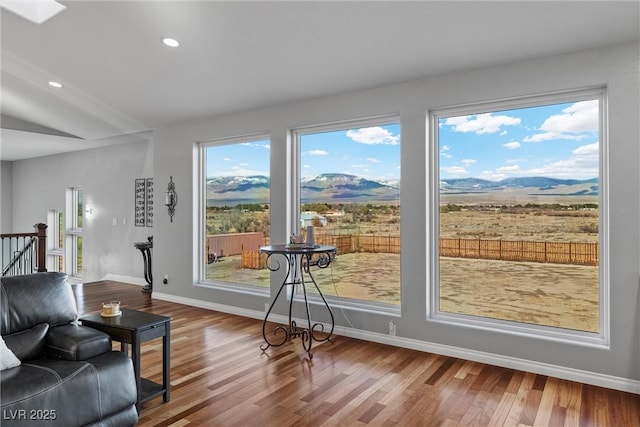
143,202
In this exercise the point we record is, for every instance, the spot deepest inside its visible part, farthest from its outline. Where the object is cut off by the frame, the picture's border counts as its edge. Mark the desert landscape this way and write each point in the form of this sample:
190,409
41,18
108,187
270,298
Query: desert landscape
546,294
540,293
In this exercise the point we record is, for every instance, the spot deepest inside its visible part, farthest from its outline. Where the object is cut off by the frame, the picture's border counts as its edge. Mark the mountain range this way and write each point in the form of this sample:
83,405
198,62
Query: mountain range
345,188
534,185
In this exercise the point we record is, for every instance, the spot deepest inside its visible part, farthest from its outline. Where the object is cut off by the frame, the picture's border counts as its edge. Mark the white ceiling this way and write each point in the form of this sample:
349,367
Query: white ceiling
120,81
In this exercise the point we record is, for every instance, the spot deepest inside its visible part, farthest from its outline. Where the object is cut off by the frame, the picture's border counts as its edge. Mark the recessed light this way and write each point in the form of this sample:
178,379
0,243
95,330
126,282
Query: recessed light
55,84
170,42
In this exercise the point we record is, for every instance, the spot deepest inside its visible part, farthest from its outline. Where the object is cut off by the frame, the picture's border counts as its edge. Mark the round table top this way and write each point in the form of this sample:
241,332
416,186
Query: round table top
297,248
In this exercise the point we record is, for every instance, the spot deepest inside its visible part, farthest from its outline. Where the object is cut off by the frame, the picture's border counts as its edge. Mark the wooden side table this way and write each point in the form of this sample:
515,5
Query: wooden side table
135,327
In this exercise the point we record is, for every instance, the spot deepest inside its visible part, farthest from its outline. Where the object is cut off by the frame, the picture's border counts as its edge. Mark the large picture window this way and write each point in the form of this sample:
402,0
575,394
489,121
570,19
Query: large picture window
236,210
349,190
520,213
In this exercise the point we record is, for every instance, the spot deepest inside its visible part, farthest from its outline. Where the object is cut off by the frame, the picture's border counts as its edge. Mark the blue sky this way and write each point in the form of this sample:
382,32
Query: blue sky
559,141
371,152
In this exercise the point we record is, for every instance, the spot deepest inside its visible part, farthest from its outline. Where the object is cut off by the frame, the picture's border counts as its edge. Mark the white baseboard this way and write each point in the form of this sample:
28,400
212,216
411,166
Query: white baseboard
563,372
125,279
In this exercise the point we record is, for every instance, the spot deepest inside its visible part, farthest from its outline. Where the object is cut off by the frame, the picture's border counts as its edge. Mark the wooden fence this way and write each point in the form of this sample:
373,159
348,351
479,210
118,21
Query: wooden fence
580,253
360,243
254,260
506,250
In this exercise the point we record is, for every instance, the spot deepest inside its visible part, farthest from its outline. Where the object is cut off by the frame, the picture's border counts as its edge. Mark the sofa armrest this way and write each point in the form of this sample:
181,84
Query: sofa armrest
76,342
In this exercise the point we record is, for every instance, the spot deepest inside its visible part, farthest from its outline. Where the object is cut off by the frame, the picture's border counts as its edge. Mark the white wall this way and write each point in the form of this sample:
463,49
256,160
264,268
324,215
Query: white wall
615,67
106,176
6,195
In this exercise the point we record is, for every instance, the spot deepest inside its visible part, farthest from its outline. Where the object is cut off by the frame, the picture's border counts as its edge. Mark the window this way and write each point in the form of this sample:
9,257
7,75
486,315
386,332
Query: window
236,182
55,240
73,232
521,215
349,190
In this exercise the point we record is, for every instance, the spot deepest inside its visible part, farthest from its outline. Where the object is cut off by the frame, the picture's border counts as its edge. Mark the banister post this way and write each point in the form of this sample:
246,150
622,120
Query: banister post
42,246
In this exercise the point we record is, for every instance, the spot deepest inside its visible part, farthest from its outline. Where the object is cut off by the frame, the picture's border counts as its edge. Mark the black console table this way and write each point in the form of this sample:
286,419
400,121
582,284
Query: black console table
298,260
145,248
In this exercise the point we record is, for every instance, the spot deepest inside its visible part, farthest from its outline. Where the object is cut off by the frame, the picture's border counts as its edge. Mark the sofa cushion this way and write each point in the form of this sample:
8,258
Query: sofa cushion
75,393
7,358
31,299
28,344
75,342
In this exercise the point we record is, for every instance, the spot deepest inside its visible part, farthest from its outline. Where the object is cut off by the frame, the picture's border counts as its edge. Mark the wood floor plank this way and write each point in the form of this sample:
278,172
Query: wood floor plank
220,377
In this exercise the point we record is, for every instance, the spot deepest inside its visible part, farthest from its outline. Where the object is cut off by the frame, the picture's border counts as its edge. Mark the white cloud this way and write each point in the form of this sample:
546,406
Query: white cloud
512,145
549,136
583,164
500,173
455,170
492,176
580,117
241,170
514,160
575,123
508,169
375,135
469,161
481,123
443,152
373,160
317,153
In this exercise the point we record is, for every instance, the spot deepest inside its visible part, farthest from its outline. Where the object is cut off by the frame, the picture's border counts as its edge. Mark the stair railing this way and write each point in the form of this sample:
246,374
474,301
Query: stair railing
24,253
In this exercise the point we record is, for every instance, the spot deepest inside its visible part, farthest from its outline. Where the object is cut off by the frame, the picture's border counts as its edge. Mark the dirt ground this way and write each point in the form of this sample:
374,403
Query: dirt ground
554,295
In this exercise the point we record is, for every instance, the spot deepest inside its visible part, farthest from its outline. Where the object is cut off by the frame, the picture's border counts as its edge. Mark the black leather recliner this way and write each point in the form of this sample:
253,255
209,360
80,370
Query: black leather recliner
69,375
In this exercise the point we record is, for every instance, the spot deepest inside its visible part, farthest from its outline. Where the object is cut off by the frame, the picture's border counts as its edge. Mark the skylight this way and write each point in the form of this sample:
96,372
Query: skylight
36,11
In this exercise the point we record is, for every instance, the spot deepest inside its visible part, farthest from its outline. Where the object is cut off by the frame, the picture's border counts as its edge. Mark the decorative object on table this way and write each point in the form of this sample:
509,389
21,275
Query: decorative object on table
111,309
299,259
171,198
143,215
311,239
145,249
296,239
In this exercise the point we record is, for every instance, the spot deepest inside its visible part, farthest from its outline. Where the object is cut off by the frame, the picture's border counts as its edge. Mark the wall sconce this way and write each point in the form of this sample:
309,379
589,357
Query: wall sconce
171,198
88,210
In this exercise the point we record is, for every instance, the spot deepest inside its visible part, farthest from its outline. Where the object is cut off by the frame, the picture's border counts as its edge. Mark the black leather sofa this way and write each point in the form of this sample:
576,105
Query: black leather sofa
69,375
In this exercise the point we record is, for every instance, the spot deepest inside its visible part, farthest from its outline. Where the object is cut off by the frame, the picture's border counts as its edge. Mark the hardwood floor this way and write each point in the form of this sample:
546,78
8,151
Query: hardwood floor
219,377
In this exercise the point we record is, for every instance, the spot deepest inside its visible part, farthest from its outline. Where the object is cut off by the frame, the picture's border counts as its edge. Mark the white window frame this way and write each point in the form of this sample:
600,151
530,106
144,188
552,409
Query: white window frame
55,251
72,232
293,204
202,216
600,339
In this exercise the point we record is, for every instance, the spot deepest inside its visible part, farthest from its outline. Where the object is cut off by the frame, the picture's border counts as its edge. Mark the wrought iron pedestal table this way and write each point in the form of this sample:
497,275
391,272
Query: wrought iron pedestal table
298,261
145,248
